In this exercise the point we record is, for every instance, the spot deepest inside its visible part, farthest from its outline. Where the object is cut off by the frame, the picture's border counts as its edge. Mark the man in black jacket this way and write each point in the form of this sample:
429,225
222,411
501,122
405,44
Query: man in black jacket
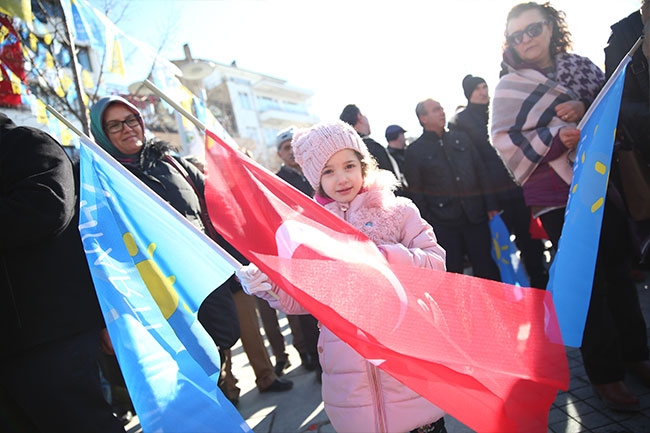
290,171
446,179
49,314
473,120
353,117
633,132
634,118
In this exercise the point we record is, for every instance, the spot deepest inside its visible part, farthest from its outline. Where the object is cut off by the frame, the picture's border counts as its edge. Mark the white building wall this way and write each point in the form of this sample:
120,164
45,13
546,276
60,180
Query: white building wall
262,106
244,109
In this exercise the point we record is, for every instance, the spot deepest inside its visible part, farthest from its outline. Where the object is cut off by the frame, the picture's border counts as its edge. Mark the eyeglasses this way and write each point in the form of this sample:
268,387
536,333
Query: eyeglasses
115,126
532,30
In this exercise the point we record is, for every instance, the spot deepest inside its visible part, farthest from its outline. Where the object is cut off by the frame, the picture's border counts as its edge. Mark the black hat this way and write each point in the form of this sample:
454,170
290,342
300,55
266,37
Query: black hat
393,131
469,84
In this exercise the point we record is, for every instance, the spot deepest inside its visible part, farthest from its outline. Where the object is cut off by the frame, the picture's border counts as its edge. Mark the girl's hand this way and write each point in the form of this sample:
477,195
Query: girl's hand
569,137
253,280
570,111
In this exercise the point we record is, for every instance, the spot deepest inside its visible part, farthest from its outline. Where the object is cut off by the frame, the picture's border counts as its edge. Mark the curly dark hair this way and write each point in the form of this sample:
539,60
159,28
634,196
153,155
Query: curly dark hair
561,37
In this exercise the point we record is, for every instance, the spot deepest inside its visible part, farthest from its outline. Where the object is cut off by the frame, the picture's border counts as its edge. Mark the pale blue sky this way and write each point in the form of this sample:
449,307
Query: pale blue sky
383,56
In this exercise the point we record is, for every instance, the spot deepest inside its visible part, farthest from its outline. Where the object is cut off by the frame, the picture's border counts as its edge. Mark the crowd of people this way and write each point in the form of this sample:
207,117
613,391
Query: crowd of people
431,200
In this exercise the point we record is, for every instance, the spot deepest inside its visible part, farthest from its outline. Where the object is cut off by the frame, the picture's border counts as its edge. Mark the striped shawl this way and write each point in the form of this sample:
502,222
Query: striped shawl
524,123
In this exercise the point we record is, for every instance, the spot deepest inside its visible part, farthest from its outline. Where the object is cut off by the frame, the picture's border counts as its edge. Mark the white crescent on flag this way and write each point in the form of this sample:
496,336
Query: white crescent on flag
292,234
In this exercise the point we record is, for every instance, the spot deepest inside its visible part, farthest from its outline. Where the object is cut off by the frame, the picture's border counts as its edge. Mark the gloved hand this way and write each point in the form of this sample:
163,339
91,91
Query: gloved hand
253,280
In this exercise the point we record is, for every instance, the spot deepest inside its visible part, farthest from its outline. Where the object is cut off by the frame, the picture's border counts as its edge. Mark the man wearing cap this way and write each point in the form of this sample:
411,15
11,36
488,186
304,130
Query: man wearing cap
396,144
290,171
353,117
304,327
473,120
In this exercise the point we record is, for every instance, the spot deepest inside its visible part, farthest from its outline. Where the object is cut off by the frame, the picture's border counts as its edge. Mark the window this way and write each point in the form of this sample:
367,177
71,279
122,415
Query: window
245,100
265,103
270,135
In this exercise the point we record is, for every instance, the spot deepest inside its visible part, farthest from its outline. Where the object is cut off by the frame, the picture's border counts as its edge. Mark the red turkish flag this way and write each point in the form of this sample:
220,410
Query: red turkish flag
8,95
11,58
488,353
11,55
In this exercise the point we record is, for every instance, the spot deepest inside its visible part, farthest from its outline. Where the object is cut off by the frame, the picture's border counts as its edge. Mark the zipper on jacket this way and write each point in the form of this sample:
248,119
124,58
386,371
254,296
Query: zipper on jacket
344,208
375,388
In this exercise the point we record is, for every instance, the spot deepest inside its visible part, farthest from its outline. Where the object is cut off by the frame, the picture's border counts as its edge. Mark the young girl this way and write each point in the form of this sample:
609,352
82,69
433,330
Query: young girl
358,396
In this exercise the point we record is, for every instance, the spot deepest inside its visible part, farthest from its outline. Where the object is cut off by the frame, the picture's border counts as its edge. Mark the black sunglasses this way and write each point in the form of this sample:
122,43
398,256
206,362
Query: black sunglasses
532,30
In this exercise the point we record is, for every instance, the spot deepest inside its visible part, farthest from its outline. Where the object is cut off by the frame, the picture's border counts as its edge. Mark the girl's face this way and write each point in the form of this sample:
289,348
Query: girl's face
342,176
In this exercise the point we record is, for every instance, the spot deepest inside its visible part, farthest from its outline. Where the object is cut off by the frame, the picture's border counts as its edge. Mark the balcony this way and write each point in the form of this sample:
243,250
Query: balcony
280,118
281,90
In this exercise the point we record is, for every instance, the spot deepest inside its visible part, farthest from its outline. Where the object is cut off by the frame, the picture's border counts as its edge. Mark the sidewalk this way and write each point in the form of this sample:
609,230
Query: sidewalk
301,409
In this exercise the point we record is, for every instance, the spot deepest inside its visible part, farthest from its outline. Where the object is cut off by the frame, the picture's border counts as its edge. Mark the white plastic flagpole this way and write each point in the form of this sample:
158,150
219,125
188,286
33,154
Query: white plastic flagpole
176,106
192,119
200,125
155,197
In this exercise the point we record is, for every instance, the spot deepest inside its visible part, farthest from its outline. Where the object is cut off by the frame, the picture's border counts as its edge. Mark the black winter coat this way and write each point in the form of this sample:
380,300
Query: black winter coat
169,183
446,180
380,153
634,118
473,120
297,180
46,291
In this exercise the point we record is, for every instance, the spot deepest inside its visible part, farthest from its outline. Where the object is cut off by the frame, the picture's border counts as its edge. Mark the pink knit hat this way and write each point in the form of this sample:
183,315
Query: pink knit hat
313,147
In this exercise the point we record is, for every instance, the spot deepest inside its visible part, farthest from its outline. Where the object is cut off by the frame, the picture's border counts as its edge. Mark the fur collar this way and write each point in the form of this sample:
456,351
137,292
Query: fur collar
153,150
380,189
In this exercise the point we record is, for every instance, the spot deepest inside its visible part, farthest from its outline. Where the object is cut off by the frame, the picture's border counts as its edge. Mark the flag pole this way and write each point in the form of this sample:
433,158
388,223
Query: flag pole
155,197
67,123
192,119
176,106
200,125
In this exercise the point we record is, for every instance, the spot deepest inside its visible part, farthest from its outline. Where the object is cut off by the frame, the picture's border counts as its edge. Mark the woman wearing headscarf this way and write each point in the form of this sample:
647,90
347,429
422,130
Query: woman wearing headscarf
118,128
543,93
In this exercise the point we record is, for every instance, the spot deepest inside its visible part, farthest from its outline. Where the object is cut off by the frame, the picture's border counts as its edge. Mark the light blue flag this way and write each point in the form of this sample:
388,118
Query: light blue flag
152,269
572,271
504,253
86,25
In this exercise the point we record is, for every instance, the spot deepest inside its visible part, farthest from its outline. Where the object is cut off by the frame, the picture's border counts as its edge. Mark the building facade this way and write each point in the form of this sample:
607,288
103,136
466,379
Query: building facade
254,107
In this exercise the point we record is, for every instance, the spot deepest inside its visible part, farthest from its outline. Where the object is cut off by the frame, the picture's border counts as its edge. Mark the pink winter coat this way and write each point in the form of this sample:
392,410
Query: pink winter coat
358,396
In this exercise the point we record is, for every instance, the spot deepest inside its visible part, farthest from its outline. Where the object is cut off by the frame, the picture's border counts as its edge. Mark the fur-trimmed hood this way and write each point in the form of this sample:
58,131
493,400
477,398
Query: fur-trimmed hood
375,211
154,149
380,189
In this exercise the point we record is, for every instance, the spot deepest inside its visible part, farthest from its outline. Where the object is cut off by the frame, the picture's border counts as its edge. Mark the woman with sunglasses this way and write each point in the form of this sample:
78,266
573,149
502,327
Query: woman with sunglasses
543,93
